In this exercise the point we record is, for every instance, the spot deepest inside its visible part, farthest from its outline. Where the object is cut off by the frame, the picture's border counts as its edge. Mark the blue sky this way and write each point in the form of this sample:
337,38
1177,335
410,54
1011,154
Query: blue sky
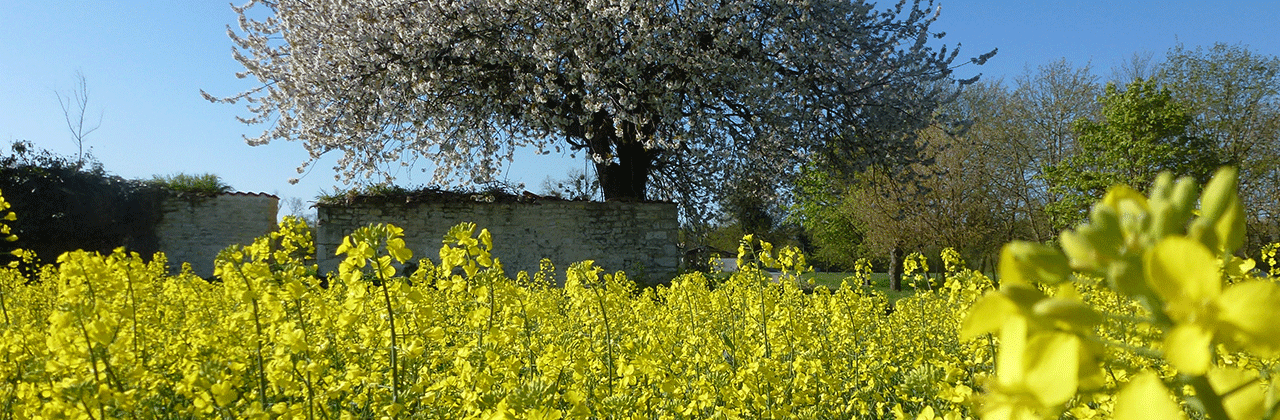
146,61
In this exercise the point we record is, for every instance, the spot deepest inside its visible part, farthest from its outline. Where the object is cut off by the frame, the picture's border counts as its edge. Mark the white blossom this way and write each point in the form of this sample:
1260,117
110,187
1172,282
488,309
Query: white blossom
701,85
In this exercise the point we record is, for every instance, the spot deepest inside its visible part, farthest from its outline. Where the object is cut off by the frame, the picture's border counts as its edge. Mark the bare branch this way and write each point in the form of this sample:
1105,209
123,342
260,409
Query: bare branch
74,107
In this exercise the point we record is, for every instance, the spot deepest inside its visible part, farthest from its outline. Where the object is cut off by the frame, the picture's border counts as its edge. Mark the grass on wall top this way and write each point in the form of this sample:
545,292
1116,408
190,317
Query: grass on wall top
203,185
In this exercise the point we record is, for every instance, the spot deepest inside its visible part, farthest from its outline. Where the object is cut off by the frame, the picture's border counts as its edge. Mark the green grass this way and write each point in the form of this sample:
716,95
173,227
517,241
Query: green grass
879,282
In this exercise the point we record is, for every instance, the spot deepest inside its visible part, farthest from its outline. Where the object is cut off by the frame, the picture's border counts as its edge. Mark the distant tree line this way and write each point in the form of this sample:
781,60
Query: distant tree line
1031,153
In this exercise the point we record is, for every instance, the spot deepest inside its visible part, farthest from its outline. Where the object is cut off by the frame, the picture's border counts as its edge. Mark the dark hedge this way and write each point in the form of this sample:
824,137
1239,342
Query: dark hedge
63,204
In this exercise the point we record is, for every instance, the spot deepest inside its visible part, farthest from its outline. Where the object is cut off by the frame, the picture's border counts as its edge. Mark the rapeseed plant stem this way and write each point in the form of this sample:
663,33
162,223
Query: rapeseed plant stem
608,337
108,372
307,380
528,336
3,309
391,321
764,322
133,314
1210,399
258,335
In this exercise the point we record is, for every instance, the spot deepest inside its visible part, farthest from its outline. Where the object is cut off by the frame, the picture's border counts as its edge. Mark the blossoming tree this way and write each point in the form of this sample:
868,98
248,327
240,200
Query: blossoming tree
663,94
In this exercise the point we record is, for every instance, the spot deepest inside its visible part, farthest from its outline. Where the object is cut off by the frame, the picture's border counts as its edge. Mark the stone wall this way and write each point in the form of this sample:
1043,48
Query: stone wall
639,238
195,230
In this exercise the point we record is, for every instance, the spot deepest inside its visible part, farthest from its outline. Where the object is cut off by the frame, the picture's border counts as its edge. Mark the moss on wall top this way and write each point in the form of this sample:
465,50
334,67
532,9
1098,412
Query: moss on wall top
379,194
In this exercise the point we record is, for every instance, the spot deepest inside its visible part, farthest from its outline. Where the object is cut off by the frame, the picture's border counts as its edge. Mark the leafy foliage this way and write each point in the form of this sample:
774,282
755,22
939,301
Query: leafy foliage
1143,131
574,186
993,182
915,208
830,219
385,192
1233,96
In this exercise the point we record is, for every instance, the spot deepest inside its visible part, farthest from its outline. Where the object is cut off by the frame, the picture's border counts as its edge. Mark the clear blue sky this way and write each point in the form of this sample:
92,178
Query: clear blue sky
146,61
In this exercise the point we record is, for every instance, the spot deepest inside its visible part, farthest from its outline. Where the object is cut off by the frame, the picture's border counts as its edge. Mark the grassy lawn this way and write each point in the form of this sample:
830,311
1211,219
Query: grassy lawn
879,282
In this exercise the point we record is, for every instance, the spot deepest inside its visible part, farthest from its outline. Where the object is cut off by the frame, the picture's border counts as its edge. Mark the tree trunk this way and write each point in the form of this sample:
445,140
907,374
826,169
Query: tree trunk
628,178
624,172
895,269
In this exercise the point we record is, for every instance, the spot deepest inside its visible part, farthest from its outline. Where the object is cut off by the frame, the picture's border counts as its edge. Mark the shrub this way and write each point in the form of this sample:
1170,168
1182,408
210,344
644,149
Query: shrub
66,204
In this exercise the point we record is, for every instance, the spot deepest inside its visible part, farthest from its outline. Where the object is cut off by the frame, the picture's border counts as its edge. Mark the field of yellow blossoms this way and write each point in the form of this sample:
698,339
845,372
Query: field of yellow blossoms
1145,311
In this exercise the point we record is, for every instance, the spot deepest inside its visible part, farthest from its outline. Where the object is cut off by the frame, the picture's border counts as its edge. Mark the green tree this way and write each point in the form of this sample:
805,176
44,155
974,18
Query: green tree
750,204
949,202
1142,131
1018,131
1233,95
984,186
828,216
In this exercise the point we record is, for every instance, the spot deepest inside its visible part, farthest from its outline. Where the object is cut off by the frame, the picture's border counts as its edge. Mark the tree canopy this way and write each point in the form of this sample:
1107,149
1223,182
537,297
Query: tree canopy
659,93
1233,95
1037,151
1143,132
